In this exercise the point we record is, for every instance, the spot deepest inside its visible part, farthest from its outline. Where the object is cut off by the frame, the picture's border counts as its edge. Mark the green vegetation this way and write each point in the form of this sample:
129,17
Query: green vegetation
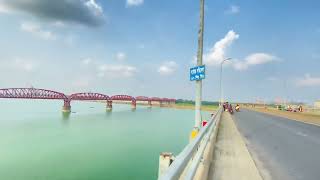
205,103
188,104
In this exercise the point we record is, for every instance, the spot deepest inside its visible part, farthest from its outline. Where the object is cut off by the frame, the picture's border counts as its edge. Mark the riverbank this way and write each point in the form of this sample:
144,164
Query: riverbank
209,108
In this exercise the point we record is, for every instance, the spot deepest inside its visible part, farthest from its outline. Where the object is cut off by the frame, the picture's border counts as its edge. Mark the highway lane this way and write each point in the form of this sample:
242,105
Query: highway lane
282,148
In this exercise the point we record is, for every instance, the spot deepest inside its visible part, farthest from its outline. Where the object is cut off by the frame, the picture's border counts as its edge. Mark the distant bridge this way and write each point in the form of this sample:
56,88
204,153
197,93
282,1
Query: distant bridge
33,93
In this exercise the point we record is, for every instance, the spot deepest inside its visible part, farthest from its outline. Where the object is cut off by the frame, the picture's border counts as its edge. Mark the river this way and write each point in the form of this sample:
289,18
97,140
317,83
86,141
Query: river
38,142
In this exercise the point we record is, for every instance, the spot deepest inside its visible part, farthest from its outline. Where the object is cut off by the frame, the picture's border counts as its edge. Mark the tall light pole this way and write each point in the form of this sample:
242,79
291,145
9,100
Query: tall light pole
228,59
199,83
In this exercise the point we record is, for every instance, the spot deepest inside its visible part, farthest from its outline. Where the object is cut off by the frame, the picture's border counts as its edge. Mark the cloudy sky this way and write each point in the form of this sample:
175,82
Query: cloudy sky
146,47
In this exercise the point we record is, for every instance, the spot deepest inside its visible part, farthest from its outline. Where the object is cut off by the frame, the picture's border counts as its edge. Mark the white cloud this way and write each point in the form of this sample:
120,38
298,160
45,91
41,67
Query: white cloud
69,40
85,12
308,81
120,56
259,58
86,61
23,65
141,46
134,2
168,68
84,82
108,71
58,24
95,8
252,60
4,8
216,54
37,30
233,9
116,71
272,78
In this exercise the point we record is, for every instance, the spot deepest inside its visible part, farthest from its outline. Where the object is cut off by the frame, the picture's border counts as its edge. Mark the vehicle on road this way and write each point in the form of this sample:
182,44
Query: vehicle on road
237,108
230,109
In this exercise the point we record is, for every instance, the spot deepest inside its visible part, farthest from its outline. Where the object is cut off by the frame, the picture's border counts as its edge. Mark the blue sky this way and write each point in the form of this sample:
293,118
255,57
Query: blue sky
146,47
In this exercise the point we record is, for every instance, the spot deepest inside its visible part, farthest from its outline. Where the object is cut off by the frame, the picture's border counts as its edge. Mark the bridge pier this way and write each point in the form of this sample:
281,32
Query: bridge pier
66,106
134,105
66,109
109,105
149,104
161,104
165,160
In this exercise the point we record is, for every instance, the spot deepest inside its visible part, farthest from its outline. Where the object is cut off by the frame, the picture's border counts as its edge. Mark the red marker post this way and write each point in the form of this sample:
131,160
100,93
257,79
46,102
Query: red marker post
204,123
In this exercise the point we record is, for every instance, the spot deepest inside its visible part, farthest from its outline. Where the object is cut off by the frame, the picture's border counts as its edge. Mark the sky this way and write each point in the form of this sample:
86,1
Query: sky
146,47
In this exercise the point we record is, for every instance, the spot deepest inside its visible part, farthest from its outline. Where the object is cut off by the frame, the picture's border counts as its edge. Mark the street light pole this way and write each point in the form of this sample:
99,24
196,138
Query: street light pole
220,102
199,82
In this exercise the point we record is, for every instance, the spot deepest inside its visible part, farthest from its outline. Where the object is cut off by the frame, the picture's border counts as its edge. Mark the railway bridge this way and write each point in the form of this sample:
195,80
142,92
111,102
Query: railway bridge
33,93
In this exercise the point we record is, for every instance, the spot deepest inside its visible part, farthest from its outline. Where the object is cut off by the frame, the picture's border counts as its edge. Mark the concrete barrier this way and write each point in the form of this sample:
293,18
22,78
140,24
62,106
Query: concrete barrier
195,160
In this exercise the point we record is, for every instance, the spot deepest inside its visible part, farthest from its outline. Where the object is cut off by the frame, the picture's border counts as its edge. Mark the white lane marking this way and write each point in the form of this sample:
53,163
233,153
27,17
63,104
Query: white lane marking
302,134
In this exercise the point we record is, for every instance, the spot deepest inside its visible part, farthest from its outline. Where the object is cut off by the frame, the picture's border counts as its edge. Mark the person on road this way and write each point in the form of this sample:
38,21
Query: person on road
230,109
237,108
225,106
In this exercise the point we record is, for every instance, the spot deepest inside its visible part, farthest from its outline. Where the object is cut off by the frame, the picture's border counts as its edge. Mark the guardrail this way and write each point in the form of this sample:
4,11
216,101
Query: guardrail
187,162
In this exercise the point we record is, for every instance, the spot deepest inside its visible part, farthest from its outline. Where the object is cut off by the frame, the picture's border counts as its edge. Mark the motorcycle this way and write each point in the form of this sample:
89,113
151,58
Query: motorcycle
238,108
230,109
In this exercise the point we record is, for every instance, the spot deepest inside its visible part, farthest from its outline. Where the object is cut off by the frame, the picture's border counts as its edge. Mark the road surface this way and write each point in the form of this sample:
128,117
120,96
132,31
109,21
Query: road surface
282,149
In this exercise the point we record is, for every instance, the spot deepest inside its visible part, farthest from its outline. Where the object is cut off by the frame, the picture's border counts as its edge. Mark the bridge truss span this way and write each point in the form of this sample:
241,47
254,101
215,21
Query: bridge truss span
89,96
142,98
31,93
156,99
123,98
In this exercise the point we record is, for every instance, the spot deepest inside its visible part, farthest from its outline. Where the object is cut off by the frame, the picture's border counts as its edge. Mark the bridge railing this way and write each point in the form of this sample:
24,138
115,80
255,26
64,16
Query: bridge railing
186,164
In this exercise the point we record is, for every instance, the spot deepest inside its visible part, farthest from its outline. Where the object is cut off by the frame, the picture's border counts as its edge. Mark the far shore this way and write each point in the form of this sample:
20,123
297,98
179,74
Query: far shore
208,108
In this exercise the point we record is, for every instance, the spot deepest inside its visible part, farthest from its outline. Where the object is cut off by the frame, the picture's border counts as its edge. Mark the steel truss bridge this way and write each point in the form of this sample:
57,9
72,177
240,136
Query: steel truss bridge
33,93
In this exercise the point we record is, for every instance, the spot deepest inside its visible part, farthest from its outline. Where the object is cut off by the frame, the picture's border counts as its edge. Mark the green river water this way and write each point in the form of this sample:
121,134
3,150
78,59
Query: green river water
38,143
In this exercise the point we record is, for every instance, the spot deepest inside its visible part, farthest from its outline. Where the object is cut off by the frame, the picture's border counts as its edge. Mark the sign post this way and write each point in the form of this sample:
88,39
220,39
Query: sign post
199,81
197,73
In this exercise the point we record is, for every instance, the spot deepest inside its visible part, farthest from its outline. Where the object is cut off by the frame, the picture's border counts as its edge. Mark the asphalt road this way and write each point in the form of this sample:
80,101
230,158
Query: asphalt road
282,148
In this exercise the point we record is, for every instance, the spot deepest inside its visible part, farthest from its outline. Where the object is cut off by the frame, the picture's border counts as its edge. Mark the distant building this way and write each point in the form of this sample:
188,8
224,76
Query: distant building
317,104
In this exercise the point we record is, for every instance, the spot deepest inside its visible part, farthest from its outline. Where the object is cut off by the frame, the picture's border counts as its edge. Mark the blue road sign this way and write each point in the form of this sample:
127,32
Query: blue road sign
197,73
